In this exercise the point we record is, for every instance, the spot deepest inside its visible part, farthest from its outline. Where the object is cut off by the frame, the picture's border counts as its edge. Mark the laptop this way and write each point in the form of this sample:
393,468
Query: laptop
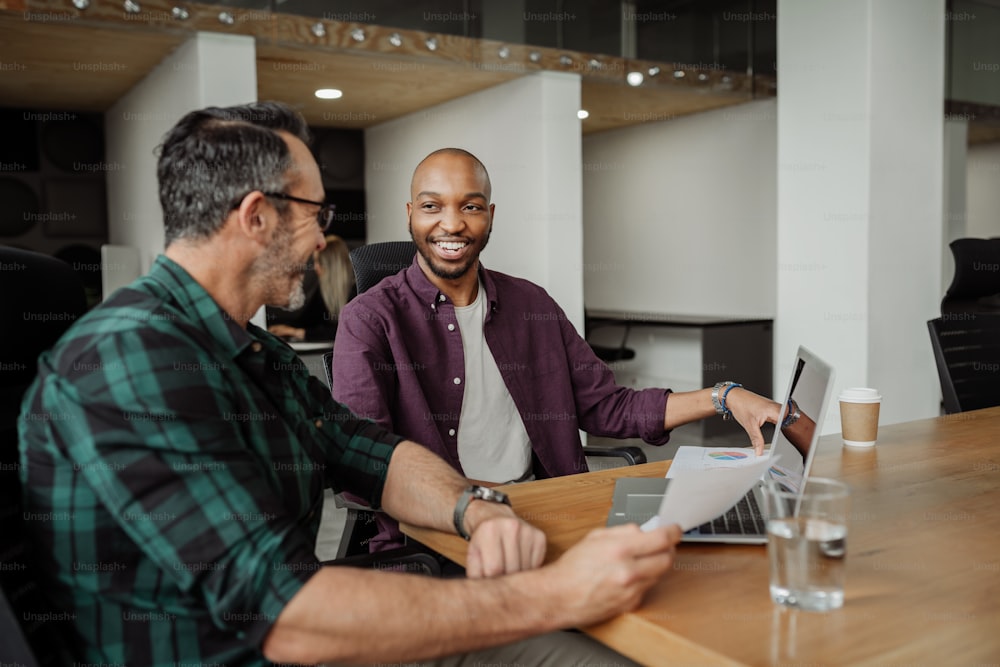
810,387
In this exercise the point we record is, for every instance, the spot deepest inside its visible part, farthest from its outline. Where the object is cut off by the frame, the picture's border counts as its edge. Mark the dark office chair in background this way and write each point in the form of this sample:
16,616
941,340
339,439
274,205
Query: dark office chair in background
373,263
966,338
975,287
967,352
42,297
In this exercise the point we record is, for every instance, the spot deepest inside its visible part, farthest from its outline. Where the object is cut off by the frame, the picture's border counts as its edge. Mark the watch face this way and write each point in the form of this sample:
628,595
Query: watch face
486,493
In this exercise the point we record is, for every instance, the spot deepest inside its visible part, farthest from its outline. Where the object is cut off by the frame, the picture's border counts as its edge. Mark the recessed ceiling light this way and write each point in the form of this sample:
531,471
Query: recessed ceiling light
634,78
582,114
329,93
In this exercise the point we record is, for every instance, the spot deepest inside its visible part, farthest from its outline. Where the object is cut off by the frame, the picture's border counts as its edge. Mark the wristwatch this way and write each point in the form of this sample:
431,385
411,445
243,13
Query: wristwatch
471,493
792,415
719,402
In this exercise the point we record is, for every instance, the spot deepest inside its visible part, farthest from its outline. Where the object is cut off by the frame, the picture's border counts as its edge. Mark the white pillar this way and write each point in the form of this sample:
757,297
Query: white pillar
860,193
210,69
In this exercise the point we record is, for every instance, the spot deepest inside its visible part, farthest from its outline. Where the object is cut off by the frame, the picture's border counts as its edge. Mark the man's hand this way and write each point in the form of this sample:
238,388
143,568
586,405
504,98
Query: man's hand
752,412
609,571
501,542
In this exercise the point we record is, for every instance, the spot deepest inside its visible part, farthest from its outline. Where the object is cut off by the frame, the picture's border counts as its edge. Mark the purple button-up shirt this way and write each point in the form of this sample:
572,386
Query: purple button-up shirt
398,360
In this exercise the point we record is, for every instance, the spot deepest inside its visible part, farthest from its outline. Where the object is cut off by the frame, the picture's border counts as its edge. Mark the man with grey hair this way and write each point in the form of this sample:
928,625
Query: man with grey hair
174,503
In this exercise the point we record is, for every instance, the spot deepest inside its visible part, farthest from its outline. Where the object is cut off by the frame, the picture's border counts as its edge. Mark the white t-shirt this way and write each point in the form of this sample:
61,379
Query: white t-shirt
493,445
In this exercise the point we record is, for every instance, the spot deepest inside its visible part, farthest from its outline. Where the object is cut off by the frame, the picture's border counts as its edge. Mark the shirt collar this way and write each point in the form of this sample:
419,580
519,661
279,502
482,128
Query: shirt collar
431,295
191,298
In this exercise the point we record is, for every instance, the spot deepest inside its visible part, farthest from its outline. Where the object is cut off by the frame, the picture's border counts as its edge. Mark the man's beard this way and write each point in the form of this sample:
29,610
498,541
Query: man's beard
441,271
273,266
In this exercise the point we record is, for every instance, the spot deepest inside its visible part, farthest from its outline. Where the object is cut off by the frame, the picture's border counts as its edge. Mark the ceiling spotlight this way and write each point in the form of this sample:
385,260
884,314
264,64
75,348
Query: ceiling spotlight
432,43
582,114
180,13
358,35
226,18
565,61
131,7
535,56
81,4
634,78
653,71
703,77
318,29
726,79
504,52
329,93
395,39
679,74
594,63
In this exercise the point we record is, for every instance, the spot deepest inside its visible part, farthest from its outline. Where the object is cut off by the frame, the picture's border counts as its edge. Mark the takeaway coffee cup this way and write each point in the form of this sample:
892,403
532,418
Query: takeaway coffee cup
859,416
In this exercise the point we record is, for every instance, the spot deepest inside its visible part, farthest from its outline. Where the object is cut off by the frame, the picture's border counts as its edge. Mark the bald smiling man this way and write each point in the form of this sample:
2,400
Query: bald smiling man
484,368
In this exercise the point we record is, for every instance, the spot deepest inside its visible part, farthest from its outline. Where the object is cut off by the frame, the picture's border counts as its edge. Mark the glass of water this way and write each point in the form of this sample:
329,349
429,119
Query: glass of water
807,543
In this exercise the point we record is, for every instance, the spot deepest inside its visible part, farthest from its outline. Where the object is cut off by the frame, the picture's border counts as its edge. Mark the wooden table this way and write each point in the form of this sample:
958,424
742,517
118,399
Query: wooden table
923,565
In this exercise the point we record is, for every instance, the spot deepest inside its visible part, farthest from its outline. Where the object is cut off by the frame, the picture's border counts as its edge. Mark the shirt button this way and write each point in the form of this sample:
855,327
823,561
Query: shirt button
256,347
440,297
451,431
451,327
319,423
457,380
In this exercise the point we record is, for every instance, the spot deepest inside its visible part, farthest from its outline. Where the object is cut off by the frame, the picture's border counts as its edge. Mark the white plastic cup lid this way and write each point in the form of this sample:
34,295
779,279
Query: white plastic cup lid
860,395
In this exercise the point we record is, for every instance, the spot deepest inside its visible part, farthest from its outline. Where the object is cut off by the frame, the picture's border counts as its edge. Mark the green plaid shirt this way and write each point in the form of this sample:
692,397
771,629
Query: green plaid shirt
173,466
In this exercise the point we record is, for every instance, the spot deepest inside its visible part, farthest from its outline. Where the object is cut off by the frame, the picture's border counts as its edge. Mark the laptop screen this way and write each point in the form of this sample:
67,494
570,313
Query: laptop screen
808,395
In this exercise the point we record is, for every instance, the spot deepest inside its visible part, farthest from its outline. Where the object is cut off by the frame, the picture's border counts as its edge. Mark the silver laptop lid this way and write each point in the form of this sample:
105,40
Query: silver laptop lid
809,390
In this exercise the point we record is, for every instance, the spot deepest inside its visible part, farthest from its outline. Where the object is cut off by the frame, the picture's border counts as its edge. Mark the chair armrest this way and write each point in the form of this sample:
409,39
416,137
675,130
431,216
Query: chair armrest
403,559
633,455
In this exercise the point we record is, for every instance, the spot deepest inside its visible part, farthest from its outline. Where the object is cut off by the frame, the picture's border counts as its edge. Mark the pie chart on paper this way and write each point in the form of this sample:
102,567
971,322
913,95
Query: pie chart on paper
728,455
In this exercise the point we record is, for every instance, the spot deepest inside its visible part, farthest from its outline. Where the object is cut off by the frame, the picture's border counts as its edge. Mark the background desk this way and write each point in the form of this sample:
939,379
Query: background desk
923,581
731,349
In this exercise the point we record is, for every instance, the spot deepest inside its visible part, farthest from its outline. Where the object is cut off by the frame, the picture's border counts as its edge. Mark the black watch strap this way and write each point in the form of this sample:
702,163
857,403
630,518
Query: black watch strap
471,493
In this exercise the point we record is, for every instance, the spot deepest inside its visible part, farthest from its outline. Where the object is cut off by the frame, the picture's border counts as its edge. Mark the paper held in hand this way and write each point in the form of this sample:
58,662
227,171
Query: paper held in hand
695,497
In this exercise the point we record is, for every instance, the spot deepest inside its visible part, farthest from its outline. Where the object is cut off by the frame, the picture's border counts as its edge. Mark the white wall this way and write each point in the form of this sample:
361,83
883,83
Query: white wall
983,189
210,69
679,215
527,134
860,193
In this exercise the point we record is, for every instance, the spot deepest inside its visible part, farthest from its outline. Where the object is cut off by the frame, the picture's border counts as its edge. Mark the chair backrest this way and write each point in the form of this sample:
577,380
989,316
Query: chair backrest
975,287
42,297
376,261
967,352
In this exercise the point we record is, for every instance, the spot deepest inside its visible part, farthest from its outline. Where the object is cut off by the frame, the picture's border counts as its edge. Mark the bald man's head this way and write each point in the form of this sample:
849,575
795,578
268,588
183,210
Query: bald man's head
447,158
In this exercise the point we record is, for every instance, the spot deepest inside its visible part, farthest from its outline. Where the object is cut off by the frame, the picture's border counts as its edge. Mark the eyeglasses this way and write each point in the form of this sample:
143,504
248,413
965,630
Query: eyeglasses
325,215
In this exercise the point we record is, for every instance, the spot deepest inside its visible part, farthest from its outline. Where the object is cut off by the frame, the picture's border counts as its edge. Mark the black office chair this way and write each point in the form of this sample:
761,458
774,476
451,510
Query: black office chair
975,287
967,352
43,296
376,261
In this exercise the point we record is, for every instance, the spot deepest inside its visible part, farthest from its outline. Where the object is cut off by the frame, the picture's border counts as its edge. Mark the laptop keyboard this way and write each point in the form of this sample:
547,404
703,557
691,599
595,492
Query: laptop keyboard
744,518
